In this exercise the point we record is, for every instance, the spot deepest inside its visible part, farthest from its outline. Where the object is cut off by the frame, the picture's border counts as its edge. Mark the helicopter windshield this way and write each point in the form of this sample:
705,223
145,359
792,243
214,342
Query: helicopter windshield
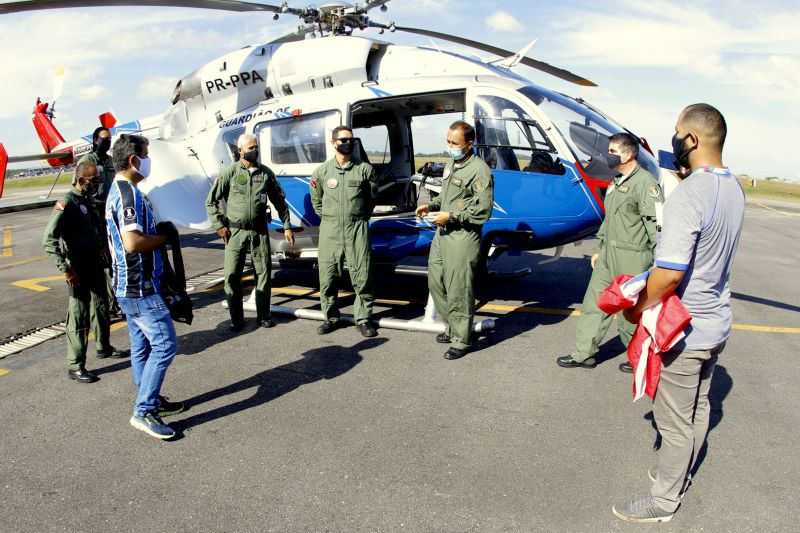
585,131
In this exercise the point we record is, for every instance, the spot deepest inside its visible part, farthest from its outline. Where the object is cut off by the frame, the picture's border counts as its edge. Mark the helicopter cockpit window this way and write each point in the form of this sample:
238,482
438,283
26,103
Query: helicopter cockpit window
296,140
585,131
507,138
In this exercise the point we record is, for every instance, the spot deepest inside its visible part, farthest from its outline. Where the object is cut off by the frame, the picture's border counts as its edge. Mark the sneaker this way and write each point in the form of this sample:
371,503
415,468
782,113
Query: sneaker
652,473
641,510
168,408
626,367
151,424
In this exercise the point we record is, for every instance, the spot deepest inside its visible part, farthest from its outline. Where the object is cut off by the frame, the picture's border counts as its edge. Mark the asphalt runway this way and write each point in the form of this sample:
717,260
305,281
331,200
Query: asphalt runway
290,431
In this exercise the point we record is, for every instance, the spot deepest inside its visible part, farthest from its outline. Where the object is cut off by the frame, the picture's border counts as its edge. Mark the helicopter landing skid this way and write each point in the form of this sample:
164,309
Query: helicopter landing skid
429,323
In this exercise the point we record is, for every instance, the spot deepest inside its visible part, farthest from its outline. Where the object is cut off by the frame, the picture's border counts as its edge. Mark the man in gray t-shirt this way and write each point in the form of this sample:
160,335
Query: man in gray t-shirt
702,222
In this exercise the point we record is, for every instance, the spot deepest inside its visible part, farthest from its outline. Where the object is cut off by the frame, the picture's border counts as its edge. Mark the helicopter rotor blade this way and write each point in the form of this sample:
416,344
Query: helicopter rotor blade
58,83
298,35
533,63
224,5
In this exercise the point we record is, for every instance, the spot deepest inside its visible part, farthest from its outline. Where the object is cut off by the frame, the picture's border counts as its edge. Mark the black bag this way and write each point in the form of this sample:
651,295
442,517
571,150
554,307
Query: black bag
173,282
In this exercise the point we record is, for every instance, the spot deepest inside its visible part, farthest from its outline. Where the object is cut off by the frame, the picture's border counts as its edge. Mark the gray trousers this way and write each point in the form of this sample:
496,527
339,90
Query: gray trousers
681,410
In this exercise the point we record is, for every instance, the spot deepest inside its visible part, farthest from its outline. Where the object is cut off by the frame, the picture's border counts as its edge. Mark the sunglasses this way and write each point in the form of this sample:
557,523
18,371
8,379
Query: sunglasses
345,140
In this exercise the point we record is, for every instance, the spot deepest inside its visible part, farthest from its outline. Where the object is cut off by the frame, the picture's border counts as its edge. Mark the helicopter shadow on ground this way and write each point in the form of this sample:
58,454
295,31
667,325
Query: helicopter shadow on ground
317,364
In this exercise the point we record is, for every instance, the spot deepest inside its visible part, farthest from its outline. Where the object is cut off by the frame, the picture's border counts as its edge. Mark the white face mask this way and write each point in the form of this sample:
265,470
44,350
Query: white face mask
144,166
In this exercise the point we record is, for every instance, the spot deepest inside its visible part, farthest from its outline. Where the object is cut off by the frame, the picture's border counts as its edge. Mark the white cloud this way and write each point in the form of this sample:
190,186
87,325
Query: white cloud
91,92
502,21
159,87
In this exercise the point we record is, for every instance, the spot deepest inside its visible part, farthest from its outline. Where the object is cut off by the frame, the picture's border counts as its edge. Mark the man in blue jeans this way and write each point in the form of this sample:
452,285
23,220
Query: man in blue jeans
135,243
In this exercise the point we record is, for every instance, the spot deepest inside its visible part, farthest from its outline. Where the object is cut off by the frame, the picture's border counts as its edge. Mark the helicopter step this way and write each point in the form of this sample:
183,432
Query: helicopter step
429,323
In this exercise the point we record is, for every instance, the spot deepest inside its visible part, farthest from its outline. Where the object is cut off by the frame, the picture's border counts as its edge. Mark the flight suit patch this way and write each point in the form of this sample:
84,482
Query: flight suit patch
654,191
84,210
461,205
479,185
313,183
457,182
354,183
59,206
623,189
332,183
446,174
258,179
241,180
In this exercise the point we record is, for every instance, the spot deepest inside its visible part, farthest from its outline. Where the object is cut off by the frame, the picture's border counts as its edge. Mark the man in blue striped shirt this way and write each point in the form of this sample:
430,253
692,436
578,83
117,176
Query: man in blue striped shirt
135,245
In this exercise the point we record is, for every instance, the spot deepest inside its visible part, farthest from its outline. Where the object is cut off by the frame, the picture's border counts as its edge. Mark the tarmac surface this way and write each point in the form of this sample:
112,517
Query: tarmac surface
290,431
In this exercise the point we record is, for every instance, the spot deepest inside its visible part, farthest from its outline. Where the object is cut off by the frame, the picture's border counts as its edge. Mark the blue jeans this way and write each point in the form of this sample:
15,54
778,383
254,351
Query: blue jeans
153,347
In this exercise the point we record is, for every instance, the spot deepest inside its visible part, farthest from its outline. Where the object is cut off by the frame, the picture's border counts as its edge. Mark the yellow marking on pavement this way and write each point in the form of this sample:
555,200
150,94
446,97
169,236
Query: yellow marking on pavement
24,261
7,251
498,307
767,329
784,213
3,371
34,283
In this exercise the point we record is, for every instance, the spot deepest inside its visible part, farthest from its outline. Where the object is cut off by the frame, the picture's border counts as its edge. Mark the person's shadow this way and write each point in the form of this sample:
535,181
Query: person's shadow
721,385
328,362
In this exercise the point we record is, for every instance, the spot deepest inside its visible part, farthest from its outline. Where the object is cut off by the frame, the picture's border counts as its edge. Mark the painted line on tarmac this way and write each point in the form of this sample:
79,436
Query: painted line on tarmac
767,329
7,250
784,213
3,371
24,261
34,283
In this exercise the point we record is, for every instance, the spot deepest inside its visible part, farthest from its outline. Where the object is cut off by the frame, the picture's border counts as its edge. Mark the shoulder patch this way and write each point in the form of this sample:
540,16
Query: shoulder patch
129,213
313,183
655,192
60,205
479,185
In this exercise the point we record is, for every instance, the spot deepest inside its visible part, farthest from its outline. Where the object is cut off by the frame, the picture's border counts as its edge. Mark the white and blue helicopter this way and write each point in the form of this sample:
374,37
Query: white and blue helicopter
547,150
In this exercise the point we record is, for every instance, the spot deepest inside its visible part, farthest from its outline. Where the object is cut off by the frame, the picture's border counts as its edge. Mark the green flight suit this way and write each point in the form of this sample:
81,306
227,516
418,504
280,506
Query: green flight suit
105,168
248,216
626,242
344,198
468,195
75,238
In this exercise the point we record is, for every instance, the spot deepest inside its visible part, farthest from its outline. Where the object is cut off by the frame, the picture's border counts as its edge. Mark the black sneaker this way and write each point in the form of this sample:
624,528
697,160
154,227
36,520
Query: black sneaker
111,352
152,424
443,338
568,362
366,330
626,367
168,408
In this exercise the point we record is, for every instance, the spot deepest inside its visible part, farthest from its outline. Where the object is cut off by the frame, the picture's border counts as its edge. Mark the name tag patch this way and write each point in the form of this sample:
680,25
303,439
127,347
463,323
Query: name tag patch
353,183
457,182
623,189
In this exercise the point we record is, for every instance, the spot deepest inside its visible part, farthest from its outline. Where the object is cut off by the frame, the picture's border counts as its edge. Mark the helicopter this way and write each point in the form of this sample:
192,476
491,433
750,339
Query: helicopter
547,150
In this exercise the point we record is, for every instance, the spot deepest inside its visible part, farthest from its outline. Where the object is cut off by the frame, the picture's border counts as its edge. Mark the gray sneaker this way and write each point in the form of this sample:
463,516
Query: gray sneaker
652,473
641,510
151,424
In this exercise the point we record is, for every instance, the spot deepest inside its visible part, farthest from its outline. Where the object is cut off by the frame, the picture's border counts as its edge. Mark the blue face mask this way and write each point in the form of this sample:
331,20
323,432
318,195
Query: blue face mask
455,153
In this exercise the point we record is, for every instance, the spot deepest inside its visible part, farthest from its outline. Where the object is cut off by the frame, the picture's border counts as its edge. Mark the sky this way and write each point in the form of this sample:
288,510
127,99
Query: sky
649,59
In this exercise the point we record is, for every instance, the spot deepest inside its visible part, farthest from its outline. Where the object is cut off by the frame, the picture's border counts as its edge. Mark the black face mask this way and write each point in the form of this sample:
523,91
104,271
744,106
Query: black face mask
89,188
614,160
680,152
102,145
345,148
251,156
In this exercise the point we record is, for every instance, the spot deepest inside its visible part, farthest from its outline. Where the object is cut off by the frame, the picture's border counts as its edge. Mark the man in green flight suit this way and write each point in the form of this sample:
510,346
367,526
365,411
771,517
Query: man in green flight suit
246,185
460,211
626,243
101,143
75,241
344,193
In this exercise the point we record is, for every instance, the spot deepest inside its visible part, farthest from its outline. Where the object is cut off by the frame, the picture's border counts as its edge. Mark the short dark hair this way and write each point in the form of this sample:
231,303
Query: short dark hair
126,146
626,141
466,128
81,169
97,131
337,129
708,122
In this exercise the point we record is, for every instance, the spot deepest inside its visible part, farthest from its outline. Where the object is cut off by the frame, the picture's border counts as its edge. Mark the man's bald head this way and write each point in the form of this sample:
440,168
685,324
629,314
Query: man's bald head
706,122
